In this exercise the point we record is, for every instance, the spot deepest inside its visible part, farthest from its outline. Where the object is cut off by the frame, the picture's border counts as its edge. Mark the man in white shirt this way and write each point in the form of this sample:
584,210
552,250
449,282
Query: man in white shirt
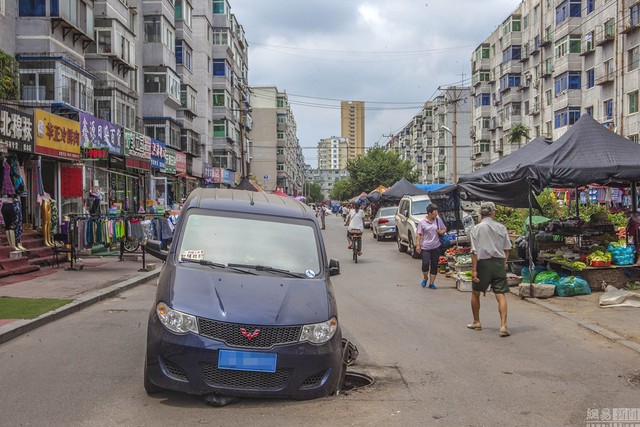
490,247
355,219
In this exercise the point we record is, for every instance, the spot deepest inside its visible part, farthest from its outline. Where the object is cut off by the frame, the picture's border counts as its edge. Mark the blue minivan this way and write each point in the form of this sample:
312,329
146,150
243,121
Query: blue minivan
245,305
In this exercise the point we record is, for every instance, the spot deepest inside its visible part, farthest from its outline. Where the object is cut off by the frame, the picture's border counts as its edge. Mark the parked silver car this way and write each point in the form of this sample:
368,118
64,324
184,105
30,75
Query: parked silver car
383,224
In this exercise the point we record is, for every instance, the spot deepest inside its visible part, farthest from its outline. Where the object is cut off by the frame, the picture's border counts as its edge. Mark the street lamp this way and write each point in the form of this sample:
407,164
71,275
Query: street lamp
454,177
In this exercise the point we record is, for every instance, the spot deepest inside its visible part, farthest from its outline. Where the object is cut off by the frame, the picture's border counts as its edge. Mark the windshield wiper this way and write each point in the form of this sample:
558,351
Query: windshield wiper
270,269
217,265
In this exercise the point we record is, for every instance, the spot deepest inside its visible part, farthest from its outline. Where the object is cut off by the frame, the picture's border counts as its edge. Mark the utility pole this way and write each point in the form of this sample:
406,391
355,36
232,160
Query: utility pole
453,137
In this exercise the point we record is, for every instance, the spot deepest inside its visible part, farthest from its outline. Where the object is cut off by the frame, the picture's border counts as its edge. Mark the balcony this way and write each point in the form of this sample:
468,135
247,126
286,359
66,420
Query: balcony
546,41
535,109
630,24
605,78
605,37
588,47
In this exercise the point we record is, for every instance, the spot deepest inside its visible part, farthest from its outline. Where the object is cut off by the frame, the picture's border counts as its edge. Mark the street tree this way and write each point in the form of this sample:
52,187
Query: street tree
377,167
9,77
517,133
342,190
313,191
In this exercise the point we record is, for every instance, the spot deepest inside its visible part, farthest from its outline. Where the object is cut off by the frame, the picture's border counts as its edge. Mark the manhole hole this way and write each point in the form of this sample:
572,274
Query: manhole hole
353,380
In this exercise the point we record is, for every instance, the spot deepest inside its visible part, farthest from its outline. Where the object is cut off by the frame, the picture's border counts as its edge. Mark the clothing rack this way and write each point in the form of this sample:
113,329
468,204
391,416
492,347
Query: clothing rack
73,229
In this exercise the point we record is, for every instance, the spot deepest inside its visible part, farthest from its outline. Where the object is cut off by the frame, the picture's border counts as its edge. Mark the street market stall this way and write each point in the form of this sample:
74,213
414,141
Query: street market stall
587,153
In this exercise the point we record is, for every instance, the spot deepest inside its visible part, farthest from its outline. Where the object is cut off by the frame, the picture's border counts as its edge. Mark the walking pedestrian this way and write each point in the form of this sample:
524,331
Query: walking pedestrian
490,247
429,230
322,213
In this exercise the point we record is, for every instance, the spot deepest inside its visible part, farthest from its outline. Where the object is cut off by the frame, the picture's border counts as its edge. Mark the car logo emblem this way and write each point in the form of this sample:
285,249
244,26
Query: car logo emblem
249,335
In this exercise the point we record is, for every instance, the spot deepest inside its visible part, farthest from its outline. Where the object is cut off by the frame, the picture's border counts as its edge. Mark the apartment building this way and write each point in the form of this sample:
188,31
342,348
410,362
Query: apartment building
326,178
221,62
551,61
437,139
144,84
352,126
276,155
332,153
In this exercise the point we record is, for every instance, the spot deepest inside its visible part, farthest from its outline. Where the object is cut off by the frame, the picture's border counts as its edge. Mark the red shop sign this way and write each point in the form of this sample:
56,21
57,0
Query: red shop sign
71,182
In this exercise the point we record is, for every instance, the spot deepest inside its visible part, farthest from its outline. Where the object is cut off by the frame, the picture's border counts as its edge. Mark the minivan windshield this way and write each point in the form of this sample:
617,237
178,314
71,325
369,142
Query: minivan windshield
420,206
251,241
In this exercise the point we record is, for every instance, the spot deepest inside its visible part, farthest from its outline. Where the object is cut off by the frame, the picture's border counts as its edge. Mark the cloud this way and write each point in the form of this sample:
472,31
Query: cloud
392,54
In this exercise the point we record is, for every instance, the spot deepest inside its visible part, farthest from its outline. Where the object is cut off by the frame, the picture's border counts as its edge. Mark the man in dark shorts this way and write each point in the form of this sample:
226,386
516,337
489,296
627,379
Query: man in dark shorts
490,247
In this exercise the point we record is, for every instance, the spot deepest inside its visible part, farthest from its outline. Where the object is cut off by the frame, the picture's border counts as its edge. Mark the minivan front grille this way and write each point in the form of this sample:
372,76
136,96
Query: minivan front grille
231,333
244,379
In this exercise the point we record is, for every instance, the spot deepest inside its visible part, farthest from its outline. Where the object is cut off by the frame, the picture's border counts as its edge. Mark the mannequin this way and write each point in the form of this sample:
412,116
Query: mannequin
8,214
45,212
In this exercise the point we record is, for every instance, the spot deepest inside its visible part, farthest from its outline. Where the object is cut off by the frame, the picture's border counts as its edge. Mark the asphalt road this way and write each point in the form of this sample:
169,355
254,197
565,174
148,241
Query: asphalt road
86,369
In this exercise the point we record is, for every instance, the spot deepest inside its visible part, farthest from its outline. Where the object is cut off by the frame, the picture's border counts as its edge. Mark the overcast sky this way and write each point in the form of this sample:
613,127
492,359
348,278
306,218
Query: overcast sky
392,54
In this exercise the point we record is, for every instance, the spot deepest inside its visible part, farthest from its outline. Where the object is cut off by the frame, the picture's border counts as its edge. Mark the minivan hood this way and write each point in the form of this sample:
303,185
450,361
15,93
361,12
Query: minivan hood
264,299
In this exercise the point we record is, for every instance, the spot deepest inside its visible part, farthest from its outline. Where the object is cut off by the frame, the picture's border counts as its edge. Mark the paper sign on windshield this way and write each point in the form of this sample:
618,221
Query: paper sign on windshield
192,255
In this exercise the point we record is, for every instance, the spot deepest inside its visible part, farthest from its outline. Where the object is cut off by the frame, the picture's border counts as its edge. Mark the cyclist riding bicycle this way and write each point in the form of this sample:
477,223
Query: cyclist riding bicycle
355,221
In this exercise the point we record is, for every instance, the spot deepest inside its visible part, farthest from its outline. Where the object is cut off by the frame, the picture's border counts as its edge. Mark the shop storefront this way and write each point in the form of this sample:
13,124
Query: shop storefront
158,192
137,151
225,178
58,141
16,146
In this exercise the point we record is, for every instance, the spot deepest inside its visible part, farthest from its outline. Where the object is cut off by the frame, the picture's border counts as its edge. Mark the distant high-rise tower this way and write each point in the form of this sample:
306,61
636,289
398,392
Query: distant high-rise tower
352,126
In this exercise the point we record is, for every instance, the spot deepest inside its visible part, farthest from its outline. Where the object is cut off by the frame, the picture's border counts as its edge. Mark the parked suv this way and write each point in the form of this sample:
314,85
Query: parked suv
411,210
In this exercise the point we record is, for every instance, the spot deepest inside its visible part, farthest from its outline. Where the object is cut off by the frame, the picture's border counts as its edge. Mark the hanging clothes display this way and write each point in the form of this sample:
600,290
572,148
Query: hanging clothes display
7,183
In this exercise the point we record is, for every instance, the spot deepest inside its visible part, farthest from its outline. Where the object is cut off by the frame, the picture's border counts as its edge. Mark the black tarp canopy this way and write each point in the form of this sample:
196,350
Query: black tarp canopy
588,153
399,189
246,184
503,181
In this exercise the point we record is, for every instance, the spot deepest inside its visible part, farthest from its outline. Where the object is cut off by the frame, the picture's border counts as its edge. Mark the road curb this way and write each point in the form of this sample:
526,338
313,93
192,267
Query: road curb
22,326
596,329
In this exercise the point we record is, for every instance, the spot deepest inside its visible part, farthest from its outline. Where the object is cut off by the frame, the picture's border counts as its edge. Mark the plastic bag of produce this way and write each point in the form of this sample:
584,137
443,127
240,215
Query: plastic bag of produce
572,285
525,273
548,277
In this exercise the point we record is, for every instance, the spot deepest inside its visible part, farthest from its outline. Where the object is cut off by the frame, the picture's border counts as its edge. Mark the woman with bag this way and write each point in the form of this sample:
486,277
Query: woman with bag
428,244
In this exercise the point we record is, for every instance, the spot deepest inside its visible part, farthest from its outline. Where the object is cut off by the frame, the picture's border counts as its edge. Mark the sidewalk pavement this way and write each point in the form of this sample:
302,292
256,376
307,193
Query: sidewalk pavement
104,277
101,278
618,324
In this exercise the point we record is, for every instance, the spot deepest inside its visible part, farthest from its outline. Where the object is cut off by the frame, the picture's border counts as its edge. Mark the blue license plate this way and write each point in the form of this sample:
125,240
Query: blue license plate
247,361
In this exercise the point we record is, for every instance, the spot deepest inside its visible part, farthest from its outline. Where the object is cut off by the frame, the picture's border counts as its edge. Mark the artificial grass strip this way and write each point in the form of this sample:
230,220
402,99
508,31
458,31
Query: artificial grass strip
28,308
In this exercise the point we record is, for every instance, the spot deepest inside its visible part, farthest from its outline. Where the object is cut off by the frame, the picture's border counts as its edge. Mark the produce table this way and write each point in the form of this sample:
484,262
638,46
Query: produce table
613,275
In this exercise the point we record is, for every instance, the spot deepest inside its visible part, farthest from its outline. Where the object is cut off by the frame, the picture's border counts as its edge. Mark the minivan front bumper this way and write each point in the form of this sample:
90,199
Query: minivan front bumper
189,363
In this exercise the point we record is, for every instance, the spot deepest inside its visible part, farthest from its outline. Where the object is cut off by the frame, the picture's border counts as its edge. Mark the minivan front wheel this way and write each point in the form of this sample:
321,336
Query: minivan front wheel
401,247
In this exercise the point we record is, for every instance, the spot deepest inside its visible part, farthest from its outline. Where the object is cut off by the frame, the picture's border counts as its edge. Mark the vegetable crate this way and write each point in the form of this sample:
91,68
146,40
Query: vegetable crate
463,285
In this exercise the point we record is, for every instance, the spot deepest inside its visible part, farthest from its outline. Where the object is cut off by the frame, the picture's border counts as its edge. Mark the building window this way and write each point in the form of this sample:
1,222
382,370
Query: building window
33,8
548,97
567,9
633,58
569,80
633,102
220,36
590,78
152,29
511,53
525,22
591,6
218,98
219,67
37,86
607,107
280,135
219,129
566,116
610,28
280,102
589,111
568,44
634,14
510,80
280,167
482,52
217,6
588,41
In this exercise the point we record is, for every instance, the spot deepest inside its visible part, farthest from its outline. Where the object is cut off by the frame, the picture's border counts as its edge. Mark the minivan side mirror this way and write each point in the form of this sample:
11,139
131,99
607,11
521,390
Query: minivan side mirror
154,247
334,267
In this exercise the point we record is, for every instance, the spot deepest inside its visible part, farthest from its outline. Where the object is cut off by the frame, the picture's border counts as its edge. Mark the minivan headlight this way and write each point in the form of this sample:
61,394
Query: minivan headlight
176,321
319,333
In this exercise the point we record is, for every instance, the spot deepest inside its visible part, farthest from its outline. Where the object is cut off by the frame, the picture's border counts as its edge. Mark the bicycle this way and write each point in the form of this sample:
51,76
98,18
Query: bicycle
356,243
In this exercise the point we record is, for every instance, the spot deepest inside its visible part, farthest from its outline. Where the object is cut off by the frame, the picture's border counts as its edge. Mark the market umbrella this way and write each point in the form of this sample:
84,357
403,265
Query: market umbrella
535,219
280,193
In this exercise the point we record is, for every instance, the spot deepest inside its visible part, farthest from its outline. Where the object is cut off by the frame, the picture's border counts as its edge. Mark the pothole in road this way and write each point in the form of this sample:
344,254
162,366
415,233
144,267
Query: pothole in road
353,380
